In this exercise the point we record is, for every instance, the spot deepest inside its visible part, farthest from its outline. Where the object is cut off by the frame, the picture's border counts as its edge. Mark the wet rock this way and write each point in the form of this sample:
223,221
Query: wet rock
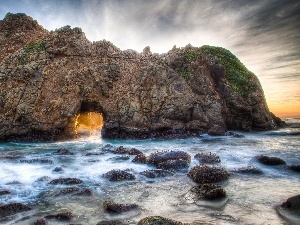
234,134
120,158
207,192
63,151
66,181
15,182
270,161
13,208
217,130
58,169
158,220
156,173
118,175
93,153
65,216
67,191
248,170
295,168
140,158
41,221
177,164
208,174
112,222
225,217
159,157
207,157
5,192
44,161
85,192
292,203
113,207
122,150
43,179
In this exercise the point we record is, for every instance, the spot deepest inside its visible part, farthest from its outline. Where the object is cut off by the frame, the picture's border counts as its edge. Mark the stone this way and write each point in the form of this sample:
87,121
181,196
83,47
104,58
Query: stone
118,175
63,151
65,216
270,161
177,164
67,191
41,221
208,192
5,192
13,208
66,181
292,203
113,207
248,170
208,174
44,161
57,169
140,158
159,157
207,157
112,222
156,173
158,220
185,92
234,134
295,168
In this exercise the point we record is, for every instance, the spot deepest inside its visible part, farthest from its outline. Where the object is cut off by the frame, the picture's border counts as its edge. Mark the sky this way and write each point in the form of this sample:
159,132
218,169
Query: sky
263,34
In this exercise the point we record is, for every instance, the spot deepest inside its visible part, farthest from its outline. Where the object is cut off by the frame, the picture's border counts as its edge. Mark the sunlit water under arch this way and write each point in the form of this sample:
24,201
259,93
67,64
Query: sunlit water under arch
252,199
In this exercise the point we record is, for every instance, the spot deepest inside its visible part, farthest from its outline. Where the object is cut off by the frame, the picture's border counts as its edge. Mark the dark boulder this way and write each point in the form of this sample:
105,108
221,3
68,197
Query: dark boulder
234,134
41,221
217,130
120,158
5,192
248,170
112,222
295,168
208,174
66,191
158,220
207,157
270,161
122,150
156,173
66,181
58,169
292,203
43,161
94,153
13,208
140,158
63,151
159,157
207,192
113,207
177,164
15,182
84,192
65,216
118,175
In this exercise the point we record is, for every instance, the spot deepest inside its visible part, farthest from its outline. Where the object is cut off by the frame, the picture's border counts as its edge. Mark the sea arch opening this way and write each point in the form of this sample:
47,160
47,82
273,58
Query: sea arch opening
89,120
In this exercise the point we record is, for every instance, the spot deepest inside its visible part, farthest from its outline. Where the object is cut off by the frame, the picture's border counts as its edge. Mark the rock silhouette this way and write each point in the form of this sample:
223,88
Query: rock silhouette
47,78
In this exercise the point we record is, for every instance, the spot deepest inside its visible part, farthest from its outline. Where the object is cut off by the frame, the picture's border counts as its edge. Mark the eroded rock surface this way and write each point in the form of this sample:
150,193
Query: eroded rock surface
47,78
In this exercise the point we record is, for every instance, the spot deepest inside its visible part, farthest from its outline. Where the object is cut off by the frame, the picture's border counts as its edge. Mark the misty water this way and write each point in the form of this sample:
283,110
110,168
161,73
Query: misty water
252,199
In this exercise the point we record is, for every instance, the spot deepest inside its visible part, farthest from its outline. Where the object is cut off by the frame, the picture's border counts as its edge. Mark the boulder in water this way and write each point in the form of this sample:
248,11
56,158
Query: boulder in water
248,170
158,220
66,181
113,207
295,168
208,174
65,216
13,208
156,173
5,192
159,157
207,157
292,203
177,164
41,221
118,175
140,158
270,161
63,151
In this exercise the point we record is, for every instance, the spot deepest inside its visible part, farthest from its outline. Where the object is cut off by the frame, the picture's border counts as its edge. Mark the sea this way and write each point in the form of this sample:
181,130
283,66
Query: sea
26,170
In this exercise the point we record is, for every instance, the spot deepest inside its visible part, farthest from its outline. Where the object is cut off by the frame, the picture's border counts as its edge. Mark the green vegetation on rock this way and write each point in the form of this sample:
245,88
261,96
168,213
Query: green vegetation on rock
28,50
237,74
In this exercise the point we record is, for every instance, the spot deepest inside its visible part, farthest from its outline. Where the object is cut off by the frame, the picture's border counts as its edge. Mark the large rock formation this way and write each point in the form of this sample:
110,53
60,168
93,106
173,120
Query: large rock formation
47,78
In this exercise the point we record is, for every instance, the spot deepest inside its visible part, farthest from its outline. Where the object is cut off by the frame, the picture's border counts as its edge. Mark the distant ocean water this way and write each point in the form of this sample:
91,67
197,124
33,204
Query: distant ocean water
252,199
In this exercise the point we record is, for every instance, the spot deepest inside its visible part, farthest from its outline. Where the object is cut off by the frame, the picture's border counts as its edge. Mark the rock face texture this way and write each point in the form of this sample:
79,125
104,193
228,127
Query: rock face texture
47,78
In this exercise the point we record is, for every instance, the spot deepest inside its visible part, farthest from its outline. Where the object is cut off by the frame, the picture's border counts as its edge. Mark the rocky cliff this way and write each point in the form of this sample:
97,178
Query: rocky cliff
47,78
